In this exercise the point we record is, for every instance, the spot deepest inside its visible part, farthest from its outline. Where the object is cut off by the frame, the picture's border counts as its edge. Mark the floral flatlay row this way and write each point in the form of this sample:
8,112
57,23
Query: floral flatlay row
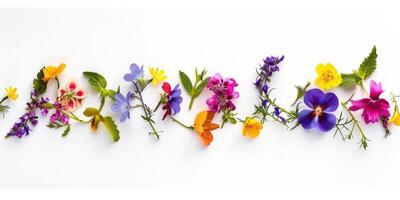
314,107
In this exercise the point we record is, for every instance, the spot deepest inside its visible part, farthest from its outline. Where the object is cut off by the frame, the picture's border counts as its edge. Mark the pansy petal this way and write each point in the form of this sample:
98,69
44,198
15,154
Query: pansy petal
129,77
312,97
326,122
166,87
307,119
329,102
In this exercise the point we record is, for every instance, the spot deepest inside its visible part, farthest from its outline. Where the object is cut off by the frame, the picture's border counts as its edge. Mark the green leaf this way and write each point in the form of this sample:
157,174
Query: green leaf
111,94
186,82
97,81
368,66
38,84
201,87
90,112
111,127
66,131
349,80
300,92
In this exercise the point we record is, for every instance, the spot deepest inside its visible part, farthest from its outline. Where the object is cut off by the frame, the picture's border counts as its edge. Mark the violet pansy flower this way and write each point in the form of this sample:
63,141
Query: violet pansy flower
122,105
374,108
172,101
320,113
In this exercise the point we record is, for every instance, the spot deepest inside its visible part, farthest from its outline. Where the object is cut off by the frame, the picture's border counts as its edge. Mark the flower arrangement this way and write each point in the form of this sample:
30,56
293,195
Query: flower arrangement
316,106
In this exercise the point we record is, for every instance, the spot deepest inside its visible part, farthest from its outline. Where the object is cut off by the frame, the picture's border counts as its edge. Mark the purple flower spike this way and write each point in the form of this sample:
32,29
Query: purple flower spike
319,115
122,105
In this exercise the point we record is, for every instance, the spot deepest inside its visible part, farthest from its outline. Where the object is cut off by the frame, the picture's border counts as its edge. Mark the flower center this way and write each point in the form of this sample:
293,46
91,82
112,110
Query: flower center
318,111
327,76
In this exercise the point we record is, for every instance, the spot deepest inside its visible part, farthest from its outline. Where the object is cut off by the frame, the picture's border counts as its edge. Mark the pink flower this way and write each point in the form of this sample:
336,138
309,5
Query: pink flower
224,93
375,108
71,96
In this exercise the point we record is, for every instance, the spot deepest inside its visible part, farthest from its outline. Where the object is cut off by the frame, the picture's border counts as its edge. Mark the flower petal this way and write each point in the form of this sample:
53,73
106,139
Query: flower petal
307,119
375,90
312,97
326,121
330,102
359,104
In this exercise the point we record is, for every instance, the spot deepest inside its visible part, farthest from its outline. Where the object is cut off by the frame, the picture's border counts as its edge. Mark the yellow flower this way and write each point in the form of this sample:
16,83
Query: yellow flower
328,77
157,75
12,93
395,117
51,72
251,127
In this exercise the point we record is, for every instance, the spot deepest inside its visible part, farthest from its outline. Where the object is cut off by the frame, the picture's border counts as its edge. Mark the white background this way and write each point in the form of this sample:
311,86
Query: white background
229,41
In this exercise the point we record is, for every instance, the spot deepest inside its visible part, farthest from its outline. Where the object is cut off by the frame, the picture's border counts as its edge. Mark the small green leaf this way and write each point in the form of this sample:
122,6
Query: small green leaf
201,87
38,84
232,120
111,127
90,112
111,94
186,82
349,80
66,131
368,66
48,105
97,81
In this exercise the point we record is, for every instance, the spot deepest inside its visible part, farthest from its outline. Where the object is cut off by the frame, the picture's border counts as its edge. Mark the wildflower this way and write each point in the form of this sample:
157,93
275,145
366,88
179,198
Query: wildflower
328,77
374,108
51,72
251,127
203,125
135,74
395,118
172,100
58,118
319,116
157,75
122,105
71,96
224,93
271,65
12,93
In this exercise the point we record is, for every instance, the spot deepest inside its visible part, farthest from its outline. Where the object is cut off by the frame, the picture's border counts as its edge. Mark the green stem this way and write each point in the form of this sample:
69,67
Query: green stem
58,83
144,109
4,98
280,108
76,118
363,88
191,102
182,124
363,136
103,100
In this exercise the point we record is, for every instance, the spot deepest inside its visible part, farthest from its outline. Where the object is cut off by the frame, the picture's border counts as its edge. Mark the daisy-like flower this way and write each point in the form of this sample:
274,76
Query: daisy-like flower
328,77
51,72
122,105
158,75
11,93
319,115
374,108
172,99
135,74
71,96
203,125
251,127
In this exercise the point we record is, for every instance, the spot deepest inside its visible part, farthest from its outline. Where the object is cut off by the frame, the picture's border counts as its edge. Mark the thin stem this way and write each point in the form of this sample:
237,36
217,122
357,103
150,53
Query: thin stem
144,109
76,118
363,88
4,98
276,105
103,100
191,102
182,124
363,136
158,105
58,83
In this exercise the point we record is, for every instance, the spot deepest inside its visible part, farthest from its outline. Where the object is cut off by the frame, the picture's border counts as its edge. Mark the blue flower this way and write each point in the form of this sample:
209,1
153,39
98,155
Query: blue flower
319,115
173,100
135,74
122,105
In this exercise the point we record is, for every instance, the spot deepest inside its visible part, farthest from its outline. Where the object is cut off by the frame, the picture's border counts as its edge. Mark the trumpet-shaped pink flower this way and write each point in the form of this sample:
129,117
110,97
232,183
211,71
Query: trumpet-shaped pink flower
224,93
374,108
71,96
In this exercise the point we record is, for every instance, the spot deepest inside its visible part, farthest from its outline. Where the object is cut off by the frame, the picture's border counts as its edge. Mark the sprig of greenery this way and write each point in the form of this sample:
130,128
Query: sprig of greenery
366,69
228,116
194,90
301,91
4,110
99,84
38,83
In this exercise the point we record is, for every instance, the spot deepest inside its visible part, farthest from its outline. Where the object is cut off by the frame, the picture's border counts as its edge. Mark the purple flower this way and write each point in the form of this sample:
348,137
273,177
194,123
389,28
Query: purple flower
374,108
136,73
271,65
224,93
321,105
122,105
173,100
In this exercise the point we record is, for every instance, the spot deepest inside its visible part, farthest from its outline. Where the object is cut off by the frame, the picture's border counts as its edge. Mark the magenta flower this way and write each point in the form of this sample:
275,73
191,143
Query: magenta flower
375,108
224,93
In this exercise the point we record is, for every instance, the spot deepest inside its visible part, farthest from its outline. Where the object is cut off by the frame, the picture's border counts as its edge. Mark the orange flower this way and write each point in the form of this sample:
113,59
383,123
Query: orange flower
203,125
51,72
